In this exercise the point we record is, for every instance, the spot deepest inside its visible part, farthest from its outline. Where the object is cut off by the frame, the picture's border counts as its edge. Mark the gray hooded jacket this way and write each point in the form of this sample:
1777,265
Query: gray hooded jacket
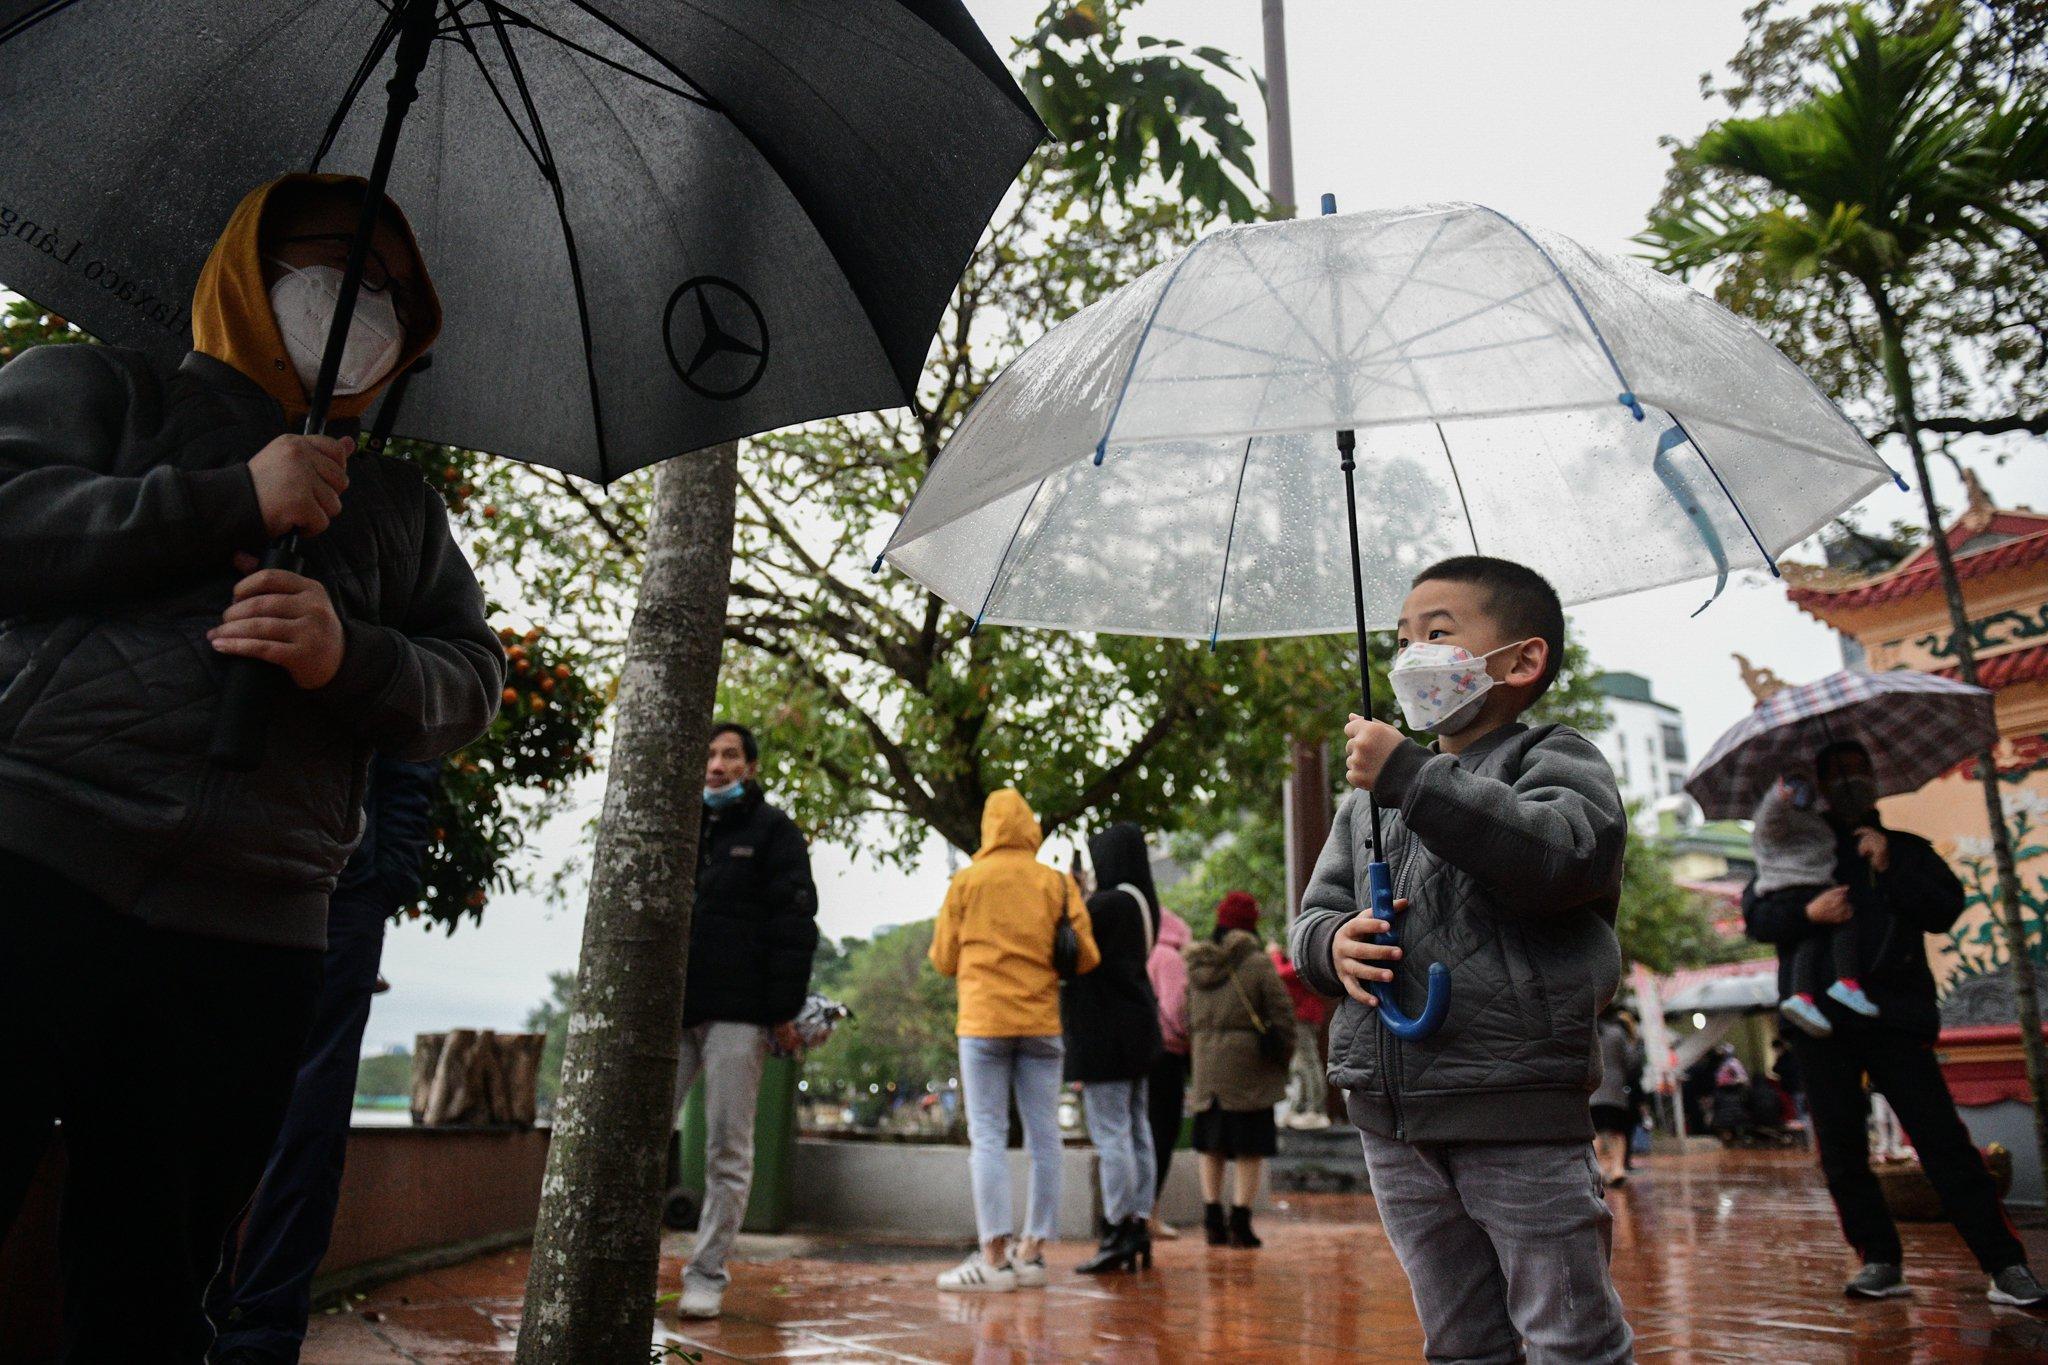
1510,857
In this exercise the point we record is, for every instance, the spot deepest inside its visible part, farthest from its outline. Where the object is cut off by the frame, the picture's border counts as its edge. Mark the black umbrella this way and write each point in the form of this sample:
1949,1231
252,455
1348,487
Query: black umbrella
653,226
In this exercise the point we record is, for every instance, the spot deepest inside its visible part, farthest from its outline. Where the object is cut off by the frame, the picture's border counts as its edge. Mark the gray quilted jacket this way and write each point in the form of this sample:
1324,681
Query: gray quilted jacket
1510,857
124,493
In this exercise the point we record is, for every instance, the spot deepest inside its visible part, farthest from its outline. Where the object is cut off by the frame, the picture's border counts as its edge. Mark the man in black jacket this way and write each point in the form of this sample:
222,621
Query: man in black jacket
1890,889
262,1297
162,919
752,937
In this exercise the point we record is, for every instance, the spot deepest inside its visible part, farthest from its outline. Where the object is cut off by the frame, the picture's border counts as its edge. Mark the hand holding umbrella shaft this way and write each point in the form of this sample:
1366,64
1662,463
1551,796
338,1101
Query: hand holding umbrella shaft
299,482
284,619
1356,957
1367,743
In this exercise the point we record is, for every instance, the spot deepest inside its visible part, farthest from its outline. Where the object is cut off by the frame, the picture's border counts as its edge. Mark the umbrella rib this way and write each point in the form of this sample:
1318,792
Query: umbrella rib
906,380
1762,549
1393,345
1459,484
535,26
1285,307
491,84
995,579
1138,350
1229,540
1415,261
34,17
378,46
1627,394
554,179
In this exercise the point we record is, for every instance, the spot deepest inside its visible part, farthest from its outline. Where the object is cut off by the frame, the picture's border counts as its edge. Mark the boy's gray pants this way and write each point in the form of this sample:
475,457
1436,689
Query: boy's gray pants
729,1056
1506,1247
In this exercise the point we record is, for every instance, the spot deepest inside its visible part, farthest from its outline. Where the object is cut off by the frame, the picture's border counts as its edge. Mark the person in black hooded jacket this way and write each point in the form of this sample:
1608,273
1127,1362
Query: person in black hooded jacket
1111,1022
1891,888
752,936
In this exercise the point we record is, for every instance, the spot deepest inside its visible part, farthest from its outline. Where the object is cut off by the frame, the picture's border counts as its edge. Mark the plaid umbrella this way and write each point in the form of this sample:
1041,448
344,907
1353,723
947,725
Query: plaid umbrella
1915,725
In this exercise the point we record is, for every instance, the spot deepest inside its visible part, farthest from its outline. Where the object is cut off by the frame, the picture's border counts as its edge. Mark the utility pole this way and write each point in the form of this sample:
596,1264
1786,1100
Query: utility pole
1305,805
1279,132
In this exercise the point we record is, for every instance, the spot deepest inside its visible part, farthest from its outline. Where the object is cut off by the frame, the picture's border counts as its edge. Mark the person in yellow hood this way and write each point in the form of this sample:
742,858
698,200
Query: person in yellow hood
995,935
162,920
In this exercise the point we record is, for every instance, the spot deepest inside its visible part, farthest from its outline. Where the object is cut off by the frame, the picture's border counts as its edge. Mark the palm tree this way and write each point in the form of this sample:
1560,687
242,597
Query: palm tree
1892,160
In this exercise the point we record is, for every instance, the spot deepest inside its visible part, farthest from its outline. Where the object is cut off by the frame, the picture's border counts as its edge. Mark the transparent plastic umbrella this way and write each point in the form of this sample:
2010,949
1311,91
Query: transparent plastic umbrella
1162,462
1167,461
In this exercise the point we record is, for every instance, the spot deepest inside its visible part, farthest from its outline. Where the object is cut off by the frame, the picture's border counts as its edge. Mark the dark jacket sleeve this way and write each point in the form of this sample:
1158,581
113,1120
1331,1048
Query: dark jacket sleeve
405,795
1548,842
1329,900
1778,916
790,933
424,686
1920,886
92,535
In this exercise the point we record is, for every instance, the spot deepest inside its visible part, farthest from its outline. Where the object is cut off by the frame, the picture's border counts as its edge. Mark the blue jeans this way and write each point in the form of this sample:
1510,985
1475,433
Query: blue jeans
991,1070
1119,1124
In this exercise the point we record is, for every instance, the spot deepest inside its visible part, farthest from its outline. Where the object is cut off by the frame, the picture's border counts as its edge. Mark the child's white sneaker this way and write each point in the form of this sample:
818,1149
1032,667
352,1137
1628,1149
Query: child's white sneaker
1851,996
976,1276
1806,1014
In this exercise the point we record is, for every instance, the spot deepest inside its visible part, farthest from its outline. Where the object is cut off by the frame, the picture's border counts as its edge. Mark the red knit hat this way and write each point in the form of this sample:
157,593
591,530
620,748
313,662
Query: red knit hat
1237,911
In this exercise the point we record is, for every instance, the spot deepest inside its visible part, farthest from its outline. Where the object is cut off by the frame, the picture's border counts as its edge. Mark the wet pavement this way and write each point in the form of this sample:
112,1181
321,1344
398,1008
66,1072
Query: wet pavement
1718,1256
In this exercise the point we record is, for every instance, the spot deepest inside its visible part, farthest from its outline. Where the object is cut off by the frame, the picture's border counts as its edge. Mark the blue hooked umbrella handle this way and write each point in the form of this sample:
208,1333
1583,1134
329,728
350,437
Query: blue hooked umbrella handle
1380,882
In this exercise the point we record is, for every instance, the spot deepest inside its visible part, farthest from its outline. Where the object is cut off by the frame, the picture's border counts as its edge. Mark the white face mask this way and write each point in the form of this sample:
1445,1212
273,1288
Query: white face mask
304,304
1440,686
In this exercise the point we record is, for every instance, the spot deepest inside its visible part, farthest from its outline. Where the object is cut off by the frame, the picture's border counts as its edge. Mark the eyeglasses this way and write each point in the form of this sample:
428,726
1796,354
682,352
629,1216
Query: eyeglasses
377,276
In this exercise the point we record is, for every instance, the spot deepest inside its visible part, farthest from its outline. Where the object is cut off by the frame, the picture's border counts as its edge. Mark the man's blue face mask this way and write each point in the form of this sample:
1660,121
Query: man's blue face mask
718,798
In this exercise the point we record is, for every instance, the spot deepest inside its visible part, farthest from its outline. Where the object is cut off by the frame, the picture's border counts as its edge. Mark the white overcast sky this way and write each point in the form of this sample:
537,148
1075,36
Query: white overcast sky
1548,112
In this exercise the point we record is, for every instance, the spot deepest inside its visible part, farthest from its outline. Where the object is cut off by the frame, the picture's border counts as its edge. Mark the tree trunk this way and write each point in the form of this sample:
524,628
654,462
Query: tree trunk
475,1078
590,1294
1898,376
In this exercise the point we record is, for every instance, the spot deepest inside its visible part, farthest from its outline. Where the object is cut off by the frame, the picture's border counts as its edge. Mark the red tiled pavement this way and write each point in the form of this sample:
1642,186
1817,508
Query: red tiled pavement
1719,1257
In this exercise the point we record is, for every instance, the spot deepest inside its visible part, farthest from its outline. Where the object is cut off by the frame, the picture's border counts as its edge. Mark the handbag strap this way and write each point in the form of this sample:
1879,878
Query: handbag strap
1144,911
1258,1024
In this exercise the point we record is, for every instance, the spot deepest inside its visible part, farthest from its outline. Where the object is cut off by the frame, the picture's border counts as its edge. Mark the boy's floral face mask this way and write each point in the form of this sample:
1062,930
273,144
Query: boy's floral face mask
1440,686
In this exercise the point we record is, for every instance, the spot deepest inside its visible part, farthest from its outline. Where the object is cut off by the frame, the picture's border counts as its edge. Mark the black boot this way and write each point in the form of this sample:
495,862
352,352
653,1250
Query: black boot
1127,1247
1141,1240
1241,1234
1213,1224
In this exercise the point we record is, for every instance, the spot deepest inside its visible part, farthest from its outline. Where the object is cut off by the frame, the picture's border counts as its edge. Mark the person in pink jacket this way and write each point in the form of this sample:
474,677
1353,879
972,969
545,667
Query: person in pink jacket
1169,1082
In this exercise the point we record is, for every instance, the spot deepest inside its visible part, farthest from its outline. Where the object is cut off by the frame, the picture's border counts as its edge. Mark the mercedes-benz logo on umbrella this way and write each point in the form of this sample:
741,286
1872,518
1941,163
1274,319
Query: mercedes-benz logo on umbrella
717,338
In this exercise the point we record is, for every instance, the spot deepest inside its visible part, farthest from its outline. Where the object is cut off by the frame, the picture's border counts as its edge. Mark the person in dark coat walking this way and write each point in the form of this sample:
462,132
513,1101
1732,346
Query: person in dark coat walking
1111,1022
752,936
1890,889
162,920
262,1297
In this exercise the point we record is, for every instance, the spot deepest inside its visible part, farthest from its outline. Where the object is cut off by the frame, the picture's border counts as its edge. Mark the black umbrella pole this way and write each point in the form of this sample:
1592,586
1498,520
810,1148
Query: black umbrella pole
1347,448
242,723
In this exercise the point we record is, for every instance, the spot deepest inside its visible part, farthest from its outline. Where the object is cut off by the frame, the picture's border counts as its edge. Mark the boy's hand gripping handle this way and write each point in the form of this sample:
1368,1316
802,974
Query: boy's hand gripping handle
1380,882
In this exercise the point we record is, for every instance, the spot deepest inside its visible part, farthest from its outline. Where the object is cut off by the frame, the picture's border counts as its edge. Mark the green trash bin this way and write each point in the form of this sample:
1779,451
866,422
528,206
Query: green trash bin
774,1146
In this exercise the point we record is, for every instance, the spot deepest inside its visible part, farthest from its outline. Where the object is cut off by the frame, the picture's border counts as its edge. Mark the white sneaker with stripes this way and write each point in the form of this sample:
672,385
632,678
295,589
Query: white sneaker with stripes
976,1276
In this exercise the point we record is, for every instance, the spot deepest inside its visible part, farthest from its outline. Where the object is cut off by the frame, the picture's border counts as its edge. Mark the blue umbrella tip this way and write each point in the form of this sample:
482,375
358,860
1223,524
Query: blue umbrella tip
1900,480
1629,401
876,567
1329,203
